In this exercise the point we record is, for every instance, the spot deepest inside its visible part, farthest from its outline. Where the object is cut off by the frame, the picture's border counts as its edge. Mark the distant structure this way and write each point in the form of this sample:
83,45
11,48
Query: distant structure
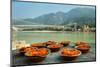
86,28
75,27
93,29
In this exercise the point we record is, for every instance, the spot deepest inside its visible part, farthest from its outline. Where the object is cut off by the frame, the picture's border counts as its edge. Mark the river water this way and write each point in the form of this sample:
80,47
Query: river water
34,37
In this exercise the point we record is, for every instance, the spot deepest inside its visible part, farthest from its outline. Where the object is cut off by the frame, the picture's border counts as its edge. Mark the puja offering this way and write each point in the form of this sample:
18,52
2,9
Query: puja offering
43,51
54,47
84,48
69,53
80,43
25,49
37,55
39,45
49,43
65,43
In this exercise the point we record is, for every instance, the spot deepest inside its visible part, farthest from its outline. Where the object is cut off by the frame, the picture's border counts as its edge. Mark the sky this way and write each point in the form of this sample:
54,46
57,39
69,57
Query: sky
22,10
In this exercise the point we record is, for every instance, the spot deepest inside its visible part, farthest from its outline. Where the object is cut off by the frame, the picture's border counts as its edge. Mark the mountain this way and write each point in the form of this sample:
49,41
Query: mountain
76,15
52,18
80,15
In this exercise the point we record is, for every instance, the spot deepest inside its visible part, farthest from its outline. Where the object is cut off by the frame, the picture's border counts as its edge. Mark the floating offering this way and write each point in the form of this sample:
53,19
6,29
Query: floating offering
25,49
54,47
49,43
65,43
43,51
37,55
79,43
30,49
69,53
39,45
83,47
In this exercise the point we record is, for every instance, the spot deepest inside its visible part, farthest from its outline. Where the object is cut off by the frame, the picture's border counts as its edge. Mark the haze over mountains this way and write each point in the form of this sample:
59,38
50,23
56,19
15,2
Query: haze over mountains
76,15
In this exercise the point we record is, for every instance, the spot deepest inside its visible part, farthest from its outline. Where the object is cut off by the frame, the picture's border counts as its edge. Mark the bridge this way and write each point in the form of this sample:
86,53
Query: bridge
22,27
14,28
